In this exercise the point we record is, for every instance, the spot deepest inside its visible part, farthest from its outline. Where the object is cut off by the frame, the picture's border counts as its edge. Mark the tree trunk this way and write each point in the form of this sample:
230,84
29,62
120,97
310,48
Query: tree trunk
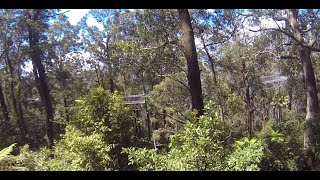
312,99
279,115
39,71
146,107
148,125
111,82
66,108
248,111
210,61
222,114
21,113
19,116
262,115
190,54
108,63
64,85
247,100
164,114
214,79
4,106
290,100
97,75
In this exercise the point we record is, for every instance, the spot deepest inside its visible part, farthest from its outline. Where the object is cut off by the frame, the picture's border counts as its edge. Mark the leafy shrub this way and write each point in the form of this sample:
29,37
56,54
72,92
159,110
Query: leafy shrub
74,152
199,146
104,113
284,145
9,162
99,129
247,155
4,153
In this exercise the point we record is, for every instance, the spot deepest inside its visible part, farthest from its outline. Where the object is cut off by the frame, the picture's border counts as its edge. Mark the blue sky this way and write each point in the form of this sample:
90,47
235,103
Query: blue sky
75,15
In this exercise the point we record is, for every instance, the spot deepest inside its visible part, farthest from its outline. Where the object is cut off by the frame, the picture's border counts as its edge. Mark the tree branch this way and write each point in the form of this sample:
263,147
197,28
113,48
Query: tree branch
180,82
181,114
57,14
274,20
183,122
3,53
227,38
288,34
63,12
288,57
279,18
310,29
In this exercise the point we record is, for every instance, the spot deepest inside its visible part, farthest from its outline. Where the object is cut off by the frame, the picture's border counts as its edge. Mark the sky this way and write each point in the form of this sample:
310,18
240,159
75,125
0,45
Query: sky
75,16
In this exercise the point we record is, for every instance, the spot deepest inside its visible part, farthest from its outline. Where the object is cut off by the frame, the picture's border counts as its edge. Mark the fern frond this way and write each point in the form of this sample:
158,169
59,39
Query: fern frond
4,153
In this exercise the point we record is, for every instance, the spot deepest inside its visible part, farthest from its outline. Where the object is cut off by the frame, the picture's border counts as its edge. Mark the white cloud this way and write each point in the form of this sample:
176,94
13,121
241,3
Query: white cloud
75,15
92,22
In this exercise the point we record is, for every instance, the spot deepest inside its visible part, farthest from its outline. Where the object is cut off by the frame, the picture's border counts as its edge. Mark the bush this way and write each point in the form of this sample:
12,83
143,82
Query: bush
104,113
284,145
9,162
74,152
199,146
247,155
94,137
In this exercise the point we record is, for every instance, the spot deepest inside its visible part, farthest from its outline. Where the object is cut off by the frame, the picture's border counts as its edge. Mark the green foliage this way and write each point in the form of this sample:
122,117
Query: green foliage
94,137
199,146
276,136
105,114
9,162
74,152
284,145
146,159
234,104
140,51
247,155
169,95
4,153
161,136
279,100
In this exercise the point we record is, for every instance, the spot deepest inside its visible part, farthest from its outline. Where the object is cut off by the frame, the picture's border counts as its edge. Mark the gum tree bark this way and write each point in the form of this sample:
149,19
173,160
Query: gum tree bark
190,54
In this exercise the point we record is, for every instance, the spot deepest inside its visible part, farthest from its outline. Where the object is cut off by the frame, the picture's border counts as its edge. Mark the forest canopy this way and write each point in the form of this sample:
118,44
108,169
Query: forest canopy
160,90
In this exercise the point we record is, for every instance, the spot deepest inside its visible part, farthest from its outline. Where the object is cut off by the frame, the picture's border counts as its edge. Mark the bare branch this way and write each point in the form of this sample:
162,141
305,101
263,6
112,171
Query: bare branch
310,29
57,14
288,57
180,68
279,18
178,120
274,20
180,82
181,114
3,53
264,52
63,12
276,29
245,15
288,34
286,44
227,37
